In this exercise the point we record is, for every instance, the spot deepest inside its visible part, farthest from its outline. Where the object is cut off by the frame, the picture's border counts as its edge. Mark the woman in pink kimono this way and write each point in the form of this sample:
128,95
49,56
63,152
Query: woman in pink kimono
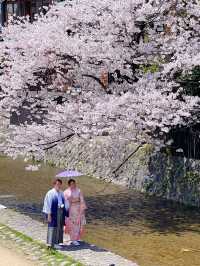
76,220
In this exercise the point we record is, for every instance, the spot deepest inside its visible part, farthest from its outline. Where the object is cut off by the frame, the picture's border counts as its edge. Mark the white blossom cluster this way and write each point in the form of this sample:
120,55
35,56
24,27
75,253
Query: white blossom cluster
142,44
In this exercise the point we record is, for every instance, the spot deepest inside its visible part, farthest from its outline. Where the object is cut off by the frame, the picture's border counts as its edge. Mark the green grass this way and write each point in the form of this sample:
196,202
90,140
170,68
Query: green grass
46,252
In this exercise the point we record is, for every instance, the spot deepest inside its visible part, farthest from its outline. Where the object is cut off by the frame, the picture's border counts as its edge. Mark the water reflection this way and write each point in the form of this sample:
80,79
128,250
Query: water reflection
131,207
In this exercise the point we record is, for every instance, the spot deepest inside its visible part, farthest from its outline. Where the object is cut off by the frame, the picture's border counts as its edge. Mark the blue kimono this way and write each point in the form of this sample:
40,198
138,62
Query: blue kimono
56,205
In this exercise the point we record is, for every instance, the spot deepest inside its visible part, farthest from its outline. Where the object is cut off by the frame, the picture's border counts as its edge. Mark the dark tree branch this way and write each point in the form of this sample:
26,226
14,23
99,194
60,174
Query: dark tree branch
48,148
58,140
96,79
52,143
127,158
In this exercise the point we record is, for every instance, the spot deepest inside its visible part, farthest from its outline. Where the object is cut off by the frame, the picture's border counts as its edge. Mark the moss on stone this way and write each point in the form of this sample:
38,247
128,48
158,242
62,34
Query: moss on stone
147,148
46,252
192,178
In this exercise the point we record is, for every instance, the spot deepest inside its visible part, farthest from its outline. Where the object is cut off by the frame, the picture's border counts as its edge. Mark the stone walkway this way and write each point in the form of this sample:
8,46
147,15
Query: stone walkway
31,252
87,254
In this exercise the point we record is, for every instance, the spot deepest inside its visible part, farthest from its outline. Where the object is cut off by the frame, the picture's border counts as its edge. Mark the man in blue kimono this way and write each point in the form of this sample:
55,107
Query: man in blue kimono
56,209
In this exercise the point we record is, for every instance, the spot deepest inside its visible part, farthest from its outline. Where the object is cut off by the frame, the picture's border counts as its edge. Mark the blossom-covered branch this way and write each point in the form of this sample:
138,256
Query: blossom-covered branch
133,50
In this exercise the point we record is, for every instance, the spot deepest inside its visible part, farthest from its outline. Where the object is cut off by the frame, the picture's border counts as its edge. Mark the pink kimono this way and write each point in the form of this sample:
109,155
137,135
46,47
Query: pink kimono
76,221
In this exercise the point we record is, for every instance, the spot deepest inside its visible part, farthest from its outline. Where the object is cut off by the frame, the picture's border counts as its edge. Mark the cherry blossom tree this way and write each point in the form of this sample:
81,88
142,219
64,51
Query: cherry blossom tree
90,68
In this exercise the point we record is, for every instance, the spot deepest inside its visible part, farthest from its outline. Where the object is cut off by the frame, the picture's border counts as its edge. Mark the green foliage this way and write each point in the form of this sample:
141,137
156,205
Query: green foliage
167,151
182,13
147,148
192,178
150,68
146,38
149,186
50,163
190,81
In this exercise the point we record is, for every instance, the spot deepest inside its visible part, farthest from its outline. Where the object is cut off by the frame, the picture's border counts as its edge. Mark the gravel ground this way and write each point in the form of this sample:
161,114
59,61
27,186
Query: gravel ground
9,257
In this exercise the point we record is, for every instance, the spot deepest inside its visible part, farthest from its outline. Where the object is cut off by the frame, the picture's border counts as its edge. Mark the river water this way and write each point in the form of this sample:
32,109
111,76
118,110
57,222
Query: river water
148,230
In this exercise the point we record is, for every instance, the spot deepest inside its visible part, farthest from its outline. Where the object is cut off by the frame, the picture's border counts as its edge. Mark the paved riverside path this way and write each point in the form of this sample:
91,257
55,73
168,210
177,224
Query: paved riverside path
87,254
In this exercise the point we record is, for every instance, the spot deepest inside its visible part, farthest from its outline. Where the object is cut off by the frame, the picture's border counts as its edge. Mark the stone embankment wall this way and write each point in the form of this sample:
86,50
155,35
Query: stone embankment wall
156,173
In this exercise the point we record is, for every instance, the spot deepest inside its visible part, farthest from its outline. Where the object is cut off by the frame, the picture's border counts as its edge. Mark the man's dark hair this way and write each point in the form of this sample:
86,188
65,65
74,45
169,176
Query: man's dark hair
71,181
57,180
